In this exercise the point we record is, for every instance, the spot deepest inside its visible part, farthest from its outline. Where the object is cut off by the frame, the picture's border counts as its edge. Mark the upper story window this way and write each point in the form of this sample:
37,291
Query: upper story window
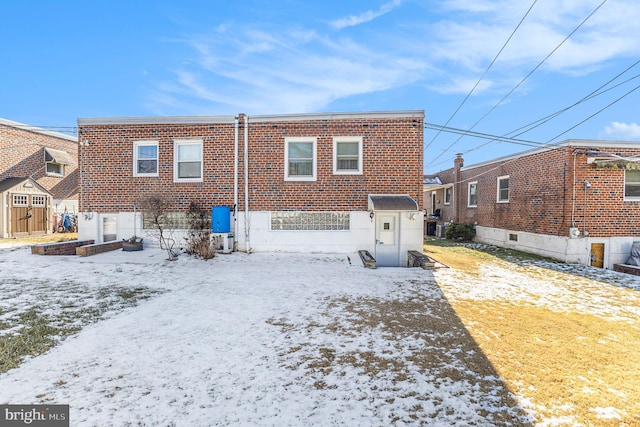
632,184
473,194
300,159
187,160
447,195
347,155
503,189
55,160
55,169
145,158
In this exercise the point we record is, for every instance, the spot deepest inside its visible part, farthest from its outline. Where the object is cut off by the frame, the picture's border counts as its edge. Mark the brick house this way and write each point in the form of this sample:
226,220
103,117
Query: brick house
577,201
334,182
46,165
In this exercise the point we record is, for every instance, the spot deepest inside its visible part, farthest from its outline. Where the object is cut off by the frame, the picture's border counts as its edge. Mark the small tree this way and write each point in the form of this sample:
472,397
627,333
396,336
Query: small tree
156,211
460,231
198,240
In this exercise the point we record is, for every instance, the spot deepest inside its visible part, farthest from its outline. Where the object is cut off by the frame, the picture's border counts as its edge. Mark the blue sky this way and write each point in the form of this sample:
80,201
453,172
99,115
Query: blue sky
64,60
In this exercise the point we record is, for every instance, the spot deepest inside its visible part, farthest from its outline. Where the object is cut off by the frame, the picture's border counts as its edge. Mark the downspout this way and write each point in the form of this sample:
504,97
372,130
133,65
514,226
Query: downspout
235,187
573,198
246,184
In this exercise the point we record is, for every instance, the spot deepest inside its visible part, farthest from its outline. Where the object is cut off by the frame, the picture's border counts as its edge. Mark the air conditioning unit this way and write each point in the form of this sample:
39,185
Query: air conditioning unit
440,230
574,232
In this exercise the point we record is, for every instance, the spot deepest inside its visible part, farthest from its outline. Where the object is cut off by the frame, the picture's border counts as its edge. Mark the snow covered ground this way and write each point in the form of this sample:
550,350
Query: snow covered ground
261,339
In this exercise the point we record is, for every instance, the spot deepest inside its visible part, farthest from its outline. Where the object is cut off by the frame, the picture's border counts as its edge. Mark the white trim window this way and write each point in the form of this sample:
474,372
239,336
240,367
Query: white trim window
472,188
145,158
55,169
300,159
503,189
632,184
187,160
38,201
20,200
347,155
447,195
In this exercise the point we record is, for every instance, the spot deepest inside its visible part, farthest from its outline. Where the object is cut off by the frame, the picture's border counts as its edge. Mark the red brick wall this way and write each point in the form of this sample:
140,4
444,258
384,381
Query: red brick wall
392,163
107,181
542,199
22,155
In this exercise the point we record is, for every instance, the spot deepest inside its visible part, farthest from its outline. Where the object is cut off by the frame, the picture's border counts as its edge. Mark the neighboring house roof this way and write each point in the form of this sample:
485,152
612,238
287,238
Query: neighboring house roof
432,180
29,128
589,143
58,156
391,202
12,182
258,119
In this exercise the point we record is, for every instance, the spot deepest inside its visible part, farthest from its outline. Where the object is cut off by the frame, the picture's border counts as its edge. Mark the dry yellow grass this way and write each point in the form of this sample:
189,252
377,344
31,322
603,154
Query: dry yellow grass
46,238
569,366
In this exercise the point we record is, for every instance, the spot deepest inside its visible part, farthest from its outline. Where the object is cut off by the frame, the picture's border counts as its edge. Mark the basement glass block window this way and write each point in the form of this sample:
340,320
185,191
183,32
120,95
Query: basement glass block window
314,221
169,221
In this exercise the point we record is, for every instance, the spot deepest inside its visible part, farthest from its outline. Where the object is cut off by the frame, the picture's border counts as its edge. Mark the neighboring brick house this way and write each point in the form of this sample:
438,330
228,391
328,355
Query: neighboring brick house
334,182
577,201
35,155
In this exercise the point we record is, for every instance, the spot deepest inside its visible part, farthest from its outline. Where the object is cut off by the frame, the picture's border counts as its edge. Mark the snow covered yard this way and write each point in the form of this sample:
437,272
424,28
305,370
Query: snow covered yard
291,339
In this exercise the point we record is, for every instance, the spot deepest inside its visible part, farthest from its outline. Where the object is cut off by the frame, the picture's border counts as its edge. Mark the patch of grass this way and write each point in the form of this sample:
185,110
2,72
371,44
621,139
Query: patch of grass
571,353
28,332
567,364
35,337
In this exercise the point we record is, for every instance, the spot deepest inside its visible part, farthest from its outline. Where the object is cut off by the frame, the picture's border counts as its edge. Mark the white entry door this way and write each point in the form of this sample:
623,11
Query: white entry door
387,245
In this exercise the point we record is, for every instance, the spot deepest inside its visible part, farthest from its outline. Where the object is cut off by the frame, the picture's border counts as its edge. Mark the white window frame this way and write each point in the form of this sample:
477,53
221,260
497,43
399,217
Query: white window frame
20,200
498,198
136,145
52,173
311,177
347,139
475,184
38,200
629,198
184,142
448,190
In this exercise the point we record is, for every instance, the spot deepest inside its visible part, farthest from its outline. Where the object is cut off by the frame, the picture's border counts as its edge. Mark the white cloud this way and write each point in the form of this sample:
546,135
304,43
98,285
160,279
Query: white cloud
622,131
353,20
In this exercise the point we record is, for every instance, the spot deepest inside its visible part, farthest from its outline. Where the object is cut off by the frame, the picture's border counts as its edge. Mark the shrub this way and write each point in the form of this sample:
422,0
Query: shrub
460,231
198,240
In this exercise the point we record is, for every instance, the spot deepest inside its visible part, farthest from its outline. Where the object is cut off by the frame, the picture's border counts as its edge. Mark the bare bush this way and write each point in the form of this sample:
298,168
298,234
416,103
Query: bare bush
156,211
198,240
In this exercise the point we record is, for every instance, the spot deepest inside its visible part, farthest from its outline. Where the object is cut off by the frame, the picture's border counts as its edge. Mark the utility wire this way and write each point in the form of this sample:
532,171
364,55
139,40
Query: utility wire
595,93
596,113
485,72
521,81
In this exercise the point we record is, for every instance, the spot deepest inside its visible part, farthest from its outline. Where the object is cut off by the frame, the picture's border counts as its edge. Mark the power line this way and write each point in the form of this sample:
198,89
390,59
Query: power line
595,93
522,81
596,113
485,72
